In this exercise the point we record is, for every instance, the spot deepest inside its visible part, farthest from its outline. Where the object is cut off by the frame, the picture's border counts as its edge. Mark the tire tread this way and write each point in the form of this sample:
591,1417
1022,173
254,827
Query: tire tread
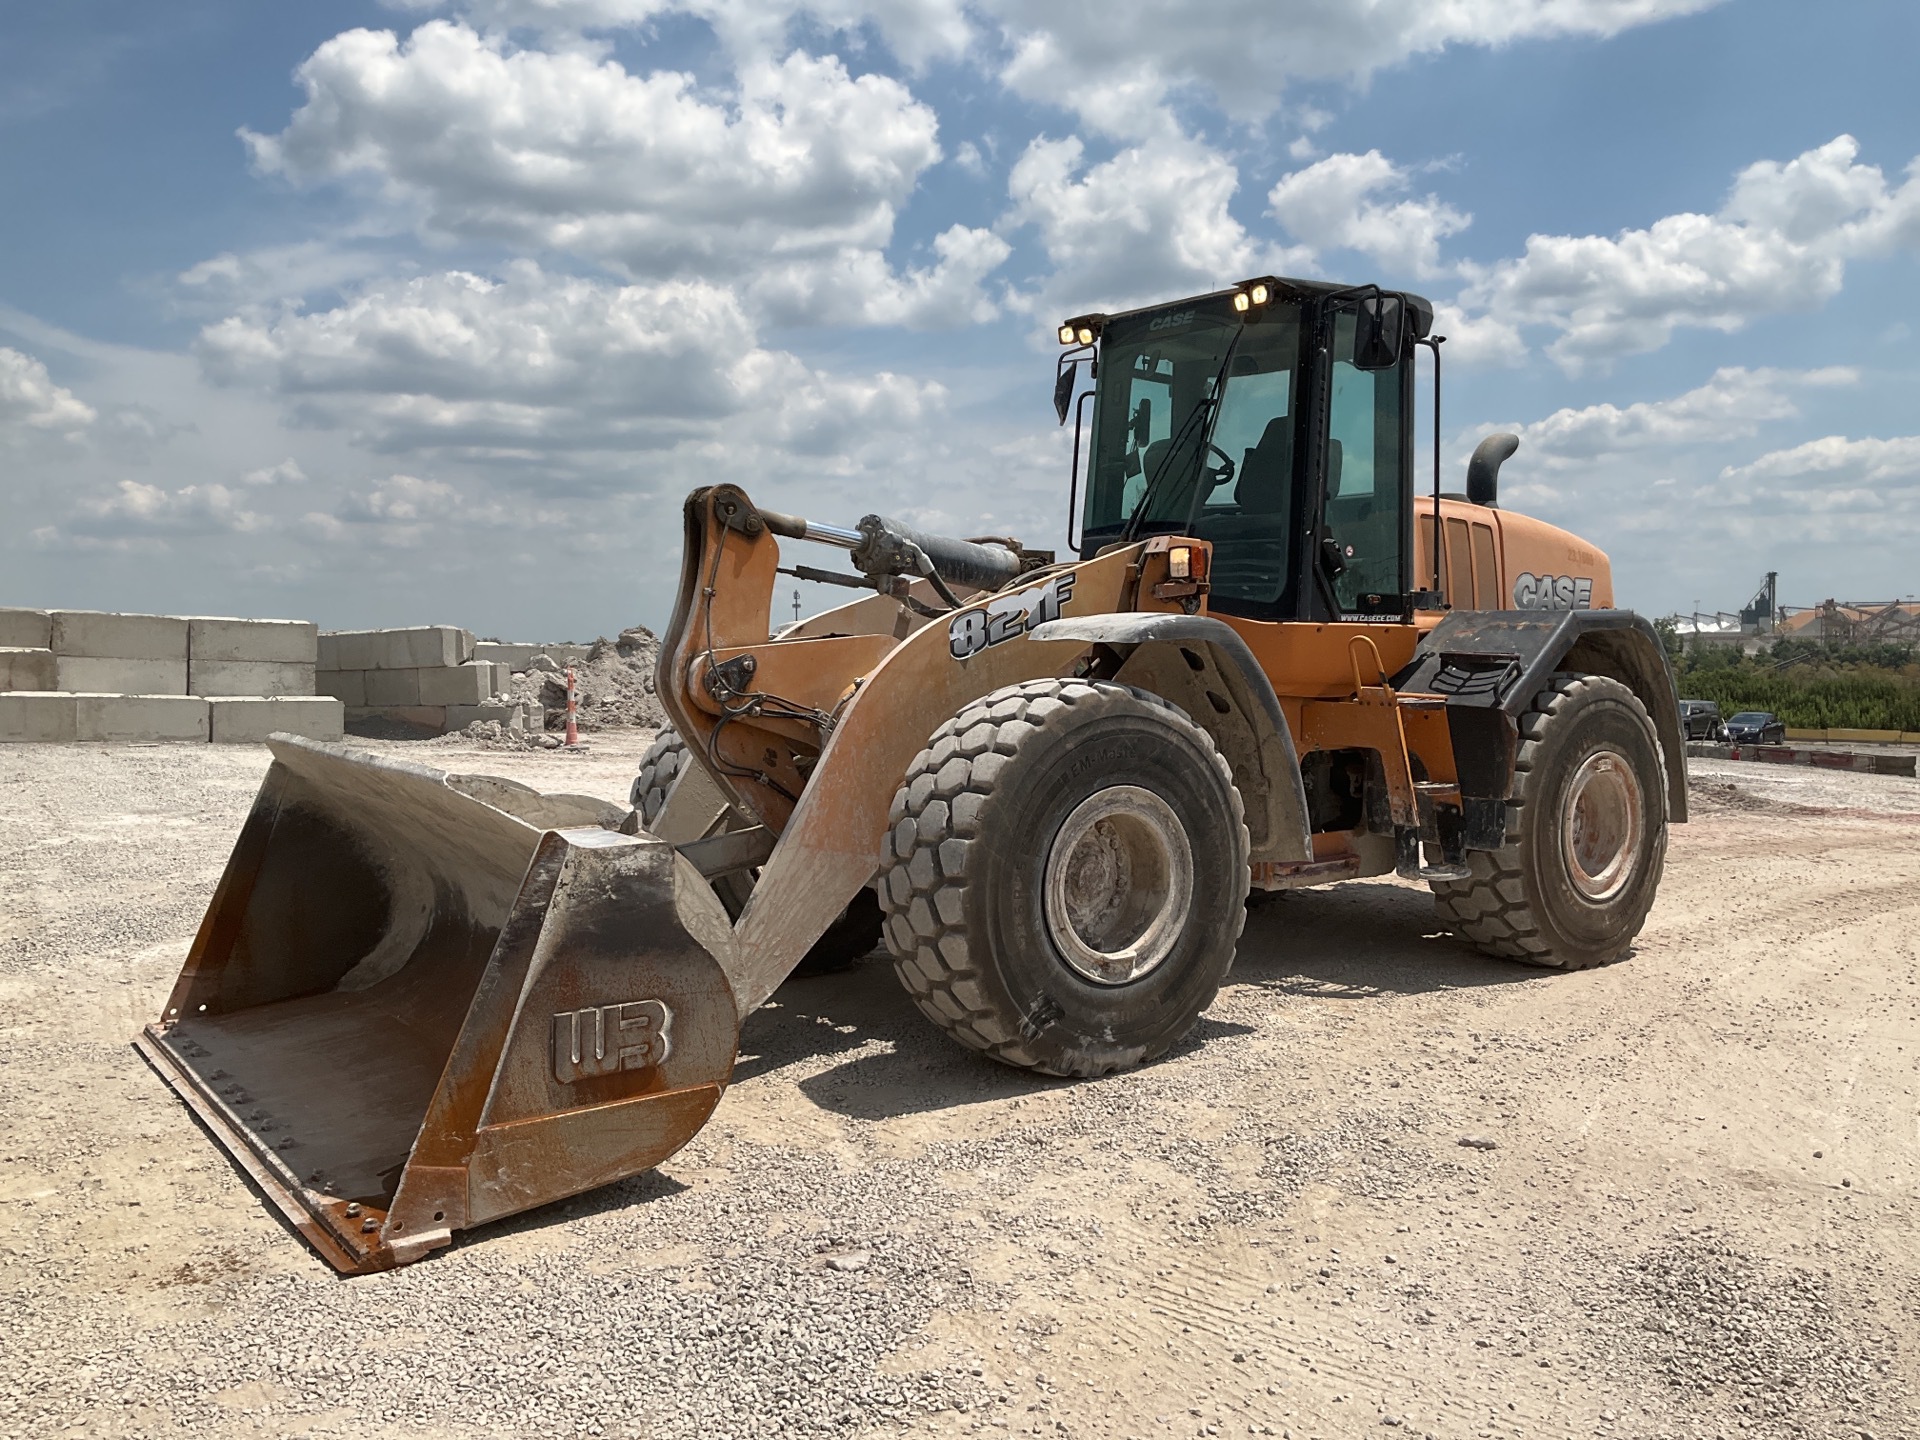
964,760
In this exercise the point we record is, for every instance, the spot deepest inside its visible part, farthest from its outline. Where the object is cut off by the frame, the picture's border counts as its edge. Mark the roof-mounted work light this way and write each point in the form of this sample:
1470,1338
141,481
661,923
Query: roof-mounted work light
1083,330
1250,295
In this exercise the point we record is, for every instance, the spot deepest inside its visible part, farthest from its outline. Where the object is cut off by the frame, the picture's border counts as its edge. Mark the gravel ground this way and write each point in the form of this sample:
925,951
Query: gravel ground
1386,1187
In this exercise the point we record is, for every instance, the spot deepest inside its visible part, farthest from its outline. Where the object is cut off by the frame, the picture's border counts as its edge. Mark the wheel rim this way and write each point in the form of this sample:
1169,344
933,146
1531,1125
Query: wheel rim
1605,824
1119,885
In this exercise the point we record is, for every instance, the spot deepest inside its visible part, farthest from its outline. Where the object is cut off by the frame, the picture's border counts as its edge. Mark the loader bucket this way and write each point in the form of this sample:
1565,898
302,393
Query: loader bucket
422,1001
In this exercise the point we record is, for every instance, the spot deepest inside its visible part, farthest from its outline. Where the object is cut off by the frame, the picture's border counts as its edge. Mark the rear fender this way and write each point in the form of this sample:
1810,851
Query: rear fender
1203,666
830,846
1492,663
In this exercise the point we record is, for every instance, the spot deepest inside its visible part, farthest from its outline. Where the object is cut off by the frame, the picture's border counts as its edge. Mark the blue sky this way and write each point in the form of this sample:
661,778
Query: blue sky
390,313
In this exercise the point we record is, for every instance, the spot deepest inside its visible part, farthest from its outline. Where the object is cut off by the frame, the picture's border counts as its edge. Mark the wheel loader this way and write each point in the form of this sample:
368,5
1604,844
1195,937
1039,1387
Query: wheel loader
1268,659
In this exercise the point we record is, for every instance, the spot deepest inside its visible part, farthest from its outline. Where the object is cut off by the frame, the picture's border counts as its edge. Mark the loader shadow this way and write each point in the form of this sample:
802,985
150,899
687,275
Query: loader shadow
1354,942
636,1190
1363,940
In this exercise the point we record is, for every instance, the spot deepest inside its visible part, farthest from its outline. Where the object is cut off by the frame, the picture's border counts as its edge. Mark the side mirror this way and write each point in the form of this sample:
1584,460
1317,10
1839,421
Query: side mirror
1063,389
1379,333
1142,423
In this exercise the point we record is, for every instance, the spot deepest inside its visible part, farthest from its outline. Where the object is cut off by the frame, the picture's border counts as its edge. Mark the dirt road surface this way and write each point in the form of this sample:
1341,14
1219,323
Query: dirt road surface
1388,1187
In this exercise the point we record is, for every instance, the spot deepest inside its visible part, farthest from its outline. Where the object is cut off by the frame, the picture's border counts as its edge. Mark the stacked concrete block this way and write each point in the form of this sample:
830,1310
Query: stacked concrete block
140,717
251,657
514,656
97,652
25,629
426,678
25,669
68,675
250,719
38,716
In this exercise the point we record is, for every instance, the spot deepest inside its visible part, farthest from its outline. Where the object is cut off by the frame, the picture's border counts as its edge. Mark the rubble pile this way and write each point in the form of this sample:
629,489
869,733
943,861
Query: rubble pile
614,684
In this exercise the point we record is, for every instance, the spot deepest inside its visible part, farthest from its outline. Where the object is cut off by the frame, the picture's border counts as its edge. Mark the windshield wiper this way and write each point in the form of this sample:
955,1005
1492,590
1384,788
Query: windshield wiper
1209,407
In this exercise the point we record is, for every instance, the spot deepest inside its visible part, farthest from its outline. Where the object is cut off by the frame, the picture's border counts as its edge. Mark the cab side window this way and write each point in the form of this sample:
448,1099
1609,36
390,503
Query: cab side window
1366,487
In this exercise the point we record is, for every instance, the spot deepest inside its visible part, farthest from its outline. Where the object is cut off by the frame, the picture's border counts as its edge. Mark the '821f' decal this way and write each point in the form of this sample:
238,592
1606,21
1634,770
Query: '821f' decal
1007,616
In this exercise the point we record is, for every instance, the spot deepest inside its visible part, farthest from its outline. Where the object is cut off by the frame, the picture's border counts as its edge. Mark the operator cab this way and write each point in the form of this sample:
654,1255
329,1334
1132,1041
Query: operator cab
1211,418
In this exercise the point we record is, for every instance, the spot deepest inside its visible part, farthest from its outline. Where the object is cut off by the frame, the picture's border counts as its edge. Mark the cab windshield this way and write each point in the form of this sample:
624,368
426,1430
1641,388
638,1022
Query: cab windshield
1195,411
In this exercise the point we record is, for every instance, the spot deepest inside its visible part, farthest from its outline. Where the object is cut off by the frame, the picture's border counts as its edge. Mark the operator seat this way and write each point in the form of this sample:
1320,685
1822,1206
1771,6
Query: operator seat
1250,542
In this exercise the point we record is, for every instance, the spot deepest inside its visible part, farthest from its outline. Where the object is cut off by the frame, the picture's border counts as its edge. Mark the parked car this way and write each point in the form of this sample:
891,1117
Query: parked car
1757,727
1700,720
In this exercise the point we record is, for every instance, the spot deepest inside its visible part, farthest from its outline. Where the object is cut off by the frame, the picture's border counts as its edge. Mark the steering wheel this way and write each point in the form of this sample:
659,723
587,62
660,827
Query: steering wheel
1218,475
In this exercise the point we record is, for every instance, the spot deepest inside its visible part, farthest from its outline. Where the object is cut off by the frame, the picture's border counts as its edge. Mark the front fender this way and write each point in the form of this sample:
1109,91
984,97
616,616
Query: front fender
1203,666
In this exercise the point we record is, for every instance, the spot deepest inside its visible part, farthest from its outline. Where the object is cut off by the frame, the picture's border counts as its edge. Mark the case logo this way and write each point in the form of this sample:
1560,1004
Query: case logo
604,1038
1553,592
1006,616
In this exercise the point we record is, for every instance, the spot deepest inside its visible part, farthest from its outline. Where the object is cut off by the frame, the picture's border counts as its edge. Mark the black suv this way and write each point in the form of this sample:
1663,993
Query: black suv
1757,727
1700,720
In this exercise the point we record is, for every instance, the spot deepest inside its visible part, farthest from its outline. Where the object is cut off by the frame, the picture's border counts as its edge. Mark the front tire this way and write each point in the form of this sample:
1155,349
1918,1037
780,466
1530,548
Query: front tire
1586,834
855,935
1065,878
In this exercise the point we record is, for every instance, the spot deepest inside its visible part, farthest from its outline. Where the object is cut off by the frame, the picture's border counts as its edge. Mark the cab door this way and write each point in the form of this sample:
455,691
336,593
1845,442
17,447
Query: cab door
1366,485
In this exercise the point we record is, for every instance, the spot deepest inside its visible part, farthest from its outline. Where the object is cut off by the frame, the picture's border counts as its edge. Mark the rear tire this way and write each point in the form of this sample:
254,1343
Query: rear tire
1065,879
850,939
1586,834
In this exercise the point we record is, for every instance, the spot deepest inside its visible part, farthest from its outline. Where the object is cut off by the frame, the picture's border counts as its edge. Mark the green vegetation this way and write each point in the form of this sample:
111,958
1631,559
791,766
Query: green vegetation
1808,685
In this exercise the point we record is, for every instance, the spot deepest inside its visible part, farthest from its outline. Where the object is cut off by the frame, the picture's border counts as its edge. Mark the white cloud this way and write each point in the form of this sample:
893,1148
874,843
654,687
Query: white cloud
1150,223
232,280
532,363
1116,60
1735,403
800,172
1332,205
30,401
916,30
1861,494
138,516
1853,462
1780,243
287,472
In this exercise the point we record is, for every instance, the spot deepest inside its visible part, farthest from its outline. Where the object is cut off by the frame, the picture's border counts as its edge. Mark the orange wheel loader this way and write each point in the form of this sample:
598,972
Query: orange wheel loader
422,1001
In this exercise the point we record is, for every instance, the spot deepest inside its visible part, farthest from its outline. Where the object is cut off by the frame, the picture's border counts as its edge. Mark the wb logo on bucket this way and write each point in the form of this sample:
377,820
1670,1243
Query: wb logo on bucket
604,1038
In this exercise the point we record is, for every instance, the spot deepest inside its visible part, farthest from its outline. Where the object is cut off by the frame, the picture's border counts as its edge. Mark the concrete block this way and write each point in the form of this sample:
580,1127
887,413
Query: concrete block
248,677
502,677
564,655
250,719
30,715
139,717
393,687
467,684
428,719
347,686
514,717
27,670
26,629
92,675
283,642
345,650
514,656
106,636
428,646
